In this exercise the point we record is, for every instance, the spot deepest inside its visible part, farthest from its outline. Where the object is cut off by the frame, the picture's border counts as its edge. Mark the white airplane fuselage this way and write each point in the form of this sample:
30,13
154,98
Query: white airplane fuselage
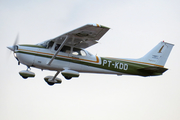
39,57
80,60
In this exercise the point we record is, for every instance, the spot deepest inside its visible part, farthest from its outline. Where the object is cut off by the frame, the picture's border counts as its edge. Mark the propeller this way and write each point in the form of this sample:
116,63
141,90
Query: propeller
13,48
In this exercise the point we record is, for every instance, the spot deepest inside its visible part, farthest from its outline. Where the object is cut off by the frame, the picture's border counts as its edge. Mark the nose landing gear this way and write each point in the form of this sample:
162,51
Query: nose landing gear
26,73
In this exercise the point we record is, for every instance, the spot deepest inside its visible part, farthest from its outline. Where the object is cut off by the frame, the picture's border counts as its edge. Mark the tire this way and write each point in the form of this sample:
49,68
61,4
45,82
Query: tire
24,77
68,78
50,83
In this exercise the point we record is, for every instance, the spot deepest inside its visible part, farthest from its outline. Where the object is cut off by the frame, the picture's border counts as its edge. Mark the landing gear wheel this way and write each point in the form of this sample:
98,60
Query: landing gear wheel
24,77
68,78
26,74
50,83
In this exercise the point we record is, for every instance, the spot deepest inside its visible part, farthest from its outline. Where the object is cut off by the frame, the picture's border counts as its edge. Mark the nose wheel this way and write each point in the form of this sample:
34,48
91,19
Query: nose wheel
26,73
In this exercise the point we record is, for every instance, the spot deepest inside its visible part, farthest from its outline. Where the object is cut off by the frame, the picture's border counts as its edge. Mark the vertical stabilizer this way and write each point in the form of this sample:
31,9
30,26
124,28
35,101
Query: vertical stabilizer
159,54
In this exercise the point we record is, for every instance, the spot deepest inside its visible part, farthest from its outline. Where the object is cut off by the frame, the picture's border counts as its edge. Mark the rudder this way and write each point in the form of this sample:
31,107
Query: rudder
159,54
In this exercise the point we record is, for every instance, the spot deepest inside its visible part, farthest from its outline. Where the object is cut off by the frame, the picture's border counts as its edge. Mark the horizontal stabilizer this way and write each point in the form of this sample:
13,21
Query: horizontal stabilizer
152,71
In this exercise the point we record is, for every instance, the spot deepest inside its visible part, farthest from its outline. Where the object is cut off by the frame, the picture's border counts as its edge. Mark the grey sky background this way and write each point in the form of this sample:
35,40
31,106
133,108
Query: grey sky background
136,27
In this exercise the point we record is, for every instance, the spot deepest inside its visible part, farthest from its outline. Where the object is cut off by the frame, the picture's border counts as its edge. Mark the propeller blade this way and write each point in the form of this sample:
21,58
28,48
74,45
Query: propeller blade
12,48
16,40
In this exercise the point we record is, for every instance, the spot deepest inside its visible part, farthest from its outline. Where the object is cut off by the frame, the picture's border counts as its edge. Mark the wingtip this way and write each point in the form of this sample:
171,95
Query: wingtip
104,27
98,25
167,42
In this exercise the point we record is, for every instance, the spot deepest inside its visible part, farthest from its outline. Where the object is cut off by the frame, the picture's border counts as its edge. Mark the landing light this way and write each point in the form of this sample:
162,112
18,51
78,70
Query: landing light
15,55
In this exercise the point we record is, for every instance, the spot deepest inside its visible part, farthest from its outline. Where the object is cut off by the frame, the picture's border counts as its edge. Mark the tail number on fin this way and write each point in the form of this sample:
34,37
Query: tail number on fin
117,65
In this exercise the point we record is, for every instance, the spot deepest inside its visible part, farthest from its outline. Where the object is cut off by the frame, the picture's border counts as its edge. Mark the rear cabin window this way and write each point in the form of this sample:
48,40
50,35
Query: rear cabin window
80,52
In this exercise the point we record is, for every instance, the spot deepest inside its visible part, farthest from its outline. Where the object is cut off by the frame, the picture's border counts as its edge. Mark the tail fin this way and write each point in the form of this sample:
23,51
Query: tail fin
159,54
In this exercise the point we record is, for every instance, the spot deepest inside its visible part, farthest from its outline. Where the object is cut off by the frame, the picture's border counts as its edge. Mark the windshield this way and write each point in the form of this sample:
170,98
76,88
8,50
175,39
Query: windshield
89,53
46,44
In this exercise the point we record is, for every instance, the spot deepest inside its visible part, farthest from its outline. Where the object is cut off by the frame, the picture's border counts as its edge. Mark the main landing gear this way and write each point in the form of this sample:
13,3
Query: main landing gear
68,74
51,80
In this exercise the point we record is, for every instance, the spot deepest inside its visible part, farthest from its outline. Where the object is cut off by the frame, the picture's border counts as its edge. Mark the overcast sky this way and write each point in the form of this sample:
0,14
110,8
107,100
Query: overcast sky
136,27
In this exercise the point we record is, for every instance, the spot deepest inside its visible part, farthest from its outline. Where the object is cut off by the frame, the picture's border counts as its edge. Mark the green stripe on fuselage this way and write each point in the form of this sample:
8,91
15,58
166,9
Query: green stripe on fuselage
106,63
122,66
36,46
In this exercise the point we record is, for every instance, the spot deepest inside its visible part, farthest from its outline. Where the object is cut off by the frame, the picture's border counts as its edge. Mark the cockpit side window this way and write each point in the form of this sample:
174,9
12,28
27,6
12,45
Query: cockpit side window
57,46
65,49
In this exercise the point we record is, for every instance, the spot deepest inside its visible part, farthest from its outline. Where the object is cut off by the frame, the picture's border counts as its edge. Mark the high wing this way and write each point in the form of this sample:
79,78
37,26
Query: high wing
82,37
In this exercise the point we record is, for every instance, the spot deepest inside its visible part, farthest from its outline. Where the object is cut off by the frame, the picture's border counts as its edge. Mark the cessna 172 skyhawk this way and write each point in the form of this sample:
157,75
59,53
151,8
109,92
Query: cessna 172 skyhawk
66,54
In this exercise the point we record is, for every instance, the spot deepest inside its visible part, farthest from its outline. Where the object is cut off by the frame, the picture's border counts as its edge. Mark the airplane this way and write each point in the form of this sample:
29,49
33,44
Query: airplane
66,54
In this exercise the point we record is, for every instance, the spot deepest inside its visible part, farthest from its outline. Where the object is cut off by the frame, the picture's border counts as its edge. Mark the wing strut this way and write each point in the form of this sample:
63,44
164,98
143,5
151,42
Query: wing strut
60,47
